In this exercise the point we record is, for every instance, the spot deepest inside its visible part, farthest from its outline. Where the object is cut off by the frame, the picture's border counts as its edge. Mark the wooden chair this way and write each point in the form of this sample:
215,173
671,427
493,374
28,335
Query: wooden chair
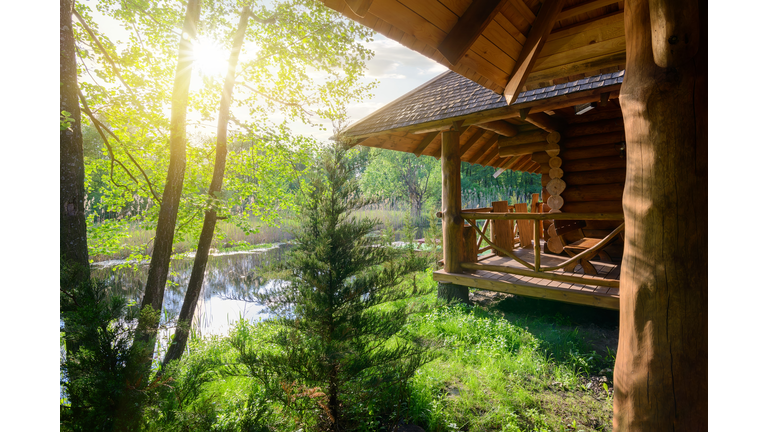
563,227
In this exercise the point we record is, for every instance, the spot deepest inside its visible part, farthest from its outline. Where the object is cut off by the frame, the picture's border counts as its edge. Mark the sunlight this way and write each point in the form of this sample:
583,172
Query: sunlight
210,58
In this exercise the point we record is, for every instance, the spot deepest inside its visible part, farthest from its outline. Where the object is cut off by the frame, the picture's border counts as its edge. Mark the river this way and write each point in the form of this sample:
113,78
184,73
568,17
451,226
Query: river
229,278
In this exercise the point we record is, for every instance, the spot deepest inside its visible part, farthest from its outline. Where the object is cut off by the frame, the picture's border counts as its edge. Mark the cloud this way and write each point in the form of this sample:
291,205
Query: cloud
393,60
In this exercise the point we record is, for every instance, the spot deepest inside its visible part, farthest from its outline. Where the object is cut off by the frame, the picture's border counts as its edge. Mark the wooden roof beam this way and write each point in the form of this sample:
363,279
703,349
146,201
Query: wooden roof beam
500,127
470,26
506,164
484,149
471,141
583,8
359,7
544,121
426,141
536,38
457,126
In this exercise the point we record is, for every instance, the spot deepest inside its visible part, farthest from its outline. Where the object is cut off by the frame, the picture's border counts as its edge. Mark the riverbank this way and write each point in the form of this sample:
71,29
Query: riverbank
134,242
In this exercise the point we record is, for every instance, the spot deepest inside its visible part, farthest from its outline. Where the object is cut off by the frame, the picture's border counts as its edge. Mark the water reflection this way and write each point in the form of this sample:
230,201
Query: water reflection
227,277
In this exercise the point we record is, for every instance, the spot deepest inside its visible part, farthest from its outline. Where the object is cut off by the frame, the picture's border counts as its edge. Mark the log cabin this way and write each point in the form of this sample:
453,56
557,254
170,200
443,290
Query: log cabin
571,131
521,49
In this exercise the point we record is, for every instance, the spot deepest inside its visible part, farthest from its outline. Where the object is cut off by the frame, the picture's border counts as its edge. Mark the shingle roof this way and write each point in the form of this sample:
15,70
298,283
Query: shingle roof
452,95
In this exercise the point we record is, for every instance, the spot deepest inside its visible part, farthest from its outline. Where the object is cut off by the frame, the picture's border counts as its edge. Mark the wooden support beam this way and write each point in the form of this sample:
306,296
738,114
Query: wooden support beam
534,42
455,126
520,162
492,160
425,142
469,27
500,127
505,165
526,149
452,221
359,7
583,8
471,141
482,150
544,121
524,138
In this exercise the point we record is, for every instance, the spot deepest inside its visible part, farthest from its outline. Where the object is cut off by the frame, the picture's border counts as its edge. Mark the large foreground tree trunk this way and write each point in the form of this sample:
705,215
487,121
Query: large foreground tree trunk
73,238
184,322
169,208
661,365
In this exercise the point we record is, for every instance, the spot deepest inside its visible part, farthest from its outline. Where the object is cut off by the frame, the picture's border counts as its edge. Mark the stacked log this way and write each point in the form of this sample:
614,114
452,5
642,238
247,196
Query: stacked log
592,163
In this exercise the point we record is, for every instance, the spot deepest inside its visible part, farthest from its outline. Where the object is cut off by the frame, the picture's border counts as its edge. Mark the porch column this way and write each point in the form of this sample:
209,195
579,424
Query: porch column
660,378
452,221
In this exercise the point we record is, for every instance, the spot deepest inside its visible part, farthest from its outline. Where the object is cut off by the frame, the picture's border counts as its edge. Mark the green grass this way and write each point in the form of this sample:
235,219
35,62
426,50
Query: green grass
497,375
500,368
133,240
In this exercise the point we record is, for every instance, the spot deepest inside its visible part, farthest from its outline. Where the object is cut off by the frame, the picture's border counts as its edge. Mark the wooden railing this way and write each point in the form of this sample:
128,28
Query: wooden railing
535,269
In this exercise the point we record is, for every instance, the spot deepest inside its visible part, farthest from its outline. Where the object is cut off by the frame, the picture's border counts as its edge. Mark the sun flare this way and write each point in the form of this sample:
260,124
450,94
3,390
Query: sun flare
210,58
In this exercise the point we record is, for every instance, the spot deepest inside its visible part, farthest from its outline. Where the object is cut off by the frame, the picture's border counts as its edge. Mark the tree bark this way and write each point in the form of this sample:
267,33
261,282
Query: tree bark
184,322
73,236
166,223
73,239
661,365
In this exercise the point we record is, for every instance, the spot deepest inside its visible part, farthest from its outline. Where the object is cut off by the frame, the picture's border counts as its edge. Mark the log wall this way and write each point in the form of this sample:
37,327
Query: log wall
594,168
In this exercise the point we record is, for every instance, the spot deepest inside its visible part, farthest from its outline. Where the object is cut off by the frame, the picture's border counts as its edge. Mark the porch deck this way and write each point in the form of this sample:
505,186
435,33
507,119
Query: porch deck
586,294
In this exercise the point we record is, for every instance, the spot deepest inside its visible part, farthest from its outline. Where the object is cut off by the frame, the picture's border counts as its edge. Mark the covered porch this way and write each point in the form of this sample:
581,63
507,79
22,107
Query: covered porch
570,133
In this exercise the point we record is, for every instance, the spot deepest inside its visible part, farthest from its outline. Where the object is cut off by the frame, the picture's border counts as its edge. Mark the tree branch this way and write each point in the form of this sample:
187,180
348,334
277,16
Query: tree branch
293,104
102,49
99,126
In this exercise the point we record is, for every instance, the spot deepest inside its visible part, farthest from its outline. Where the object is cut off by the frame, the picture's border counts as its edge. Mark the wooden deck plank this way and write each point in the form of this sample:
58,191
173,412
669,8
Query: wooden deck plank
606,301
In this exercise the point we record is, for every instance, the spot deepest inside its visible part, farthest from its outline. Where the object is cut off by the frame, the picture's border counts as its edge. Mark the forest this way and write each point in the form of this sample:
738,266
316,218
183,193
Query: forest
354,336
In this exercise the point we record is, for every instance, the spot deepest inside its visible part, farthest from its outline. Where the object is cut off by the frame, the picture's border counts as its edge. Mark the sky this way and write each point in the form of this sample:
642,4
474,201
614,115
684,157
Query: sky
397,70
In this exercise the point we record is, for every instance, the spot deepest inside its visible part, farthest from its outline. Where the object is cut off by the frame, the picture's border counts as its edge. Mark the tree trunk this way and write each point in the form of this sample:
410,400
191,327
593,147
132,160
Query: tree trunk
73,238
166,222
661,365
209,223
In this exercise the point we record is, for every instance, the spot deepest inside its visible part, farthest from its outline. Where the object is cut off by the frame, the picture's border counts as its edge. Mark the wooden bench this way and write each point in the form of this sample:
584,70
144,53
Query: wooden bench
563,227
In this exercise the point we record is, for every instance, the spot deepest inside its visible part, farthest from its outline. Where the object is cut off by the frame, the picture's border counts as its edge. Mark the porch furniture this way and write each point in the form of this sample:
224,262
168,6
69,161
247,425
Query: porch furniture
563,227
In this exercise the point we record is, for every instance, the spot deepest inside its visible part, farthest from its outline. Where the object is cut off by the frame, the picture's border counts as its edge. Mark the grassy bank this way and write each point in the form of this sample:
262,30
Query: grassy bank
503,364
112,241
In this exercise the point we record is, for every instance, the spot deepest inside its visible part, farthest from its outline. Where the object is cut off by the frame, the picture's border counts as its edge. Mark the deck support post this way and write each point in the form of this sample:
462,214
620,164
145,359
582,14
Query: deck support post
660,378
452,221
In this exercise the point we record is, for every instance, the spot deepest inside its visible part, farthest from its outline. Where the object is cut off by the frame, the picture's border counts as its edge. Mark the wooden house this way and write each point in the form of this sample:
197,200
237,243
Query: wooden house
516,48
588,157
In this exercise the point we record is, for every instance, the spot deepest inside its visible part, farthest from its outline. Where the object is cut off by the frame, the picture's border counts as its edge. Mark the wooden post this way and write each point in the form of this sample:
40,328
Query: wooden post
452,221
660,379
